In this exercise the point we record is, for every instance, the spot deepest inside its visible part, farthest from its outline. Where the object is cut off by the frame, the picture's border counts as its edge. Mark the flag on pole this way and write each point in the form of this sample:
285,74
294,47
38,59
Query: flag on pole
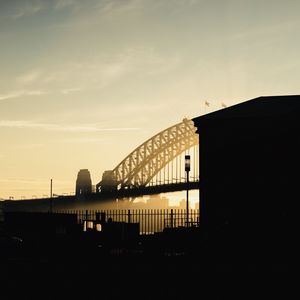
206,103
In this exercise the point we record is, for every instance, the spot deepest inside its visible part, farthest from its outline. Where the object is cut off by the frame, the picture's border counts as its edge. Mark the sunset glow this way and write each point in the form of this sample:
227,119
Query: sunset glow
83,83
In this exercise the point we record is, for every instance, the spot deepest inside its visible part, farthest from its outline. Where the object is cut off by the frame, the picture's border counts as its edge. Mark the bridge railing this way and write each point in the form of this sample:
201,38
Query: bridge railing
150,220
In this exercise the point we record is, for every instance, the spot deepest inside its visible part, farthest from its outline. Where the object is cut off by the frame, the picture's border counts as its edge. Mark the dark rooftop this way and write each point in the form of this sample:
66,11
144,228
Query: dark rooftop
265,106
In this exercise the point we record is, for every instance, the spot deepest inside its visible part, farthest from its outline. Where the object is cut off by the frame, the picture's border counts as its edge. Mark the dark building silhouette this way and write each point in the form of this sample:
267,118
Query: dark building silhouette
249,183
1,213
83,182
40,225
108,184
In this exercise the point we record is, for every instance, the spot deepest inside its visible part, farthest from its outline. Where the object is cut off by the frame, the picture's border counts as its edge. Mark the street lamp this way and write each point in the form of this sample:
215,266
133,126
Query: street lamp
187,169
51,196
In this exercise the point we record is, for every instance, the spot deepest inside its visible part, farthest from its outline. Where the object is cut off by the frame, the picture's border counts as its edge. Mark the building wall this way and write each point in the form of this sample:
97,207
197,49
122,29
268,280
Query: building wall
248,186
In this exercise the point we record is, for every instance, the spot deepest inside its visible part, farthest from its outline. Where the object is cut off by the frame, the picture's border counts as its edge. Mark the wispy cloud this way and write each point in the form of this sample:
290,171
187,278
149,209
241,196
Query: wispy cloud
91,9
33,181
26,9
121,7
74,76
15,180
59,127
67,91
87,13
102,72
30,146
29,77
95,73
105,8
275,30
21,93
84,140
110,8
62,4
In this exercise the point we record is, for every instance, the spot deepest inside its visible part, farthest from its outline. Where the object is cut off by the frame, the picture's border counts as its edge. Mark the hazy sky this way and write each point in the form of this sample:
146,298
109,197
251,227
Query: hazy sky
82,83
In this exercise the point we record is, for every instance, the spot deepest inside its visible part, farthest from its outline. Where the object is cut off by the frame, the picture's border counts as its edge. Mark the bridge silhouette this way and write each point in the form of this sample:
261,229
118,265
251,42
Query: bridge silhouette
156,166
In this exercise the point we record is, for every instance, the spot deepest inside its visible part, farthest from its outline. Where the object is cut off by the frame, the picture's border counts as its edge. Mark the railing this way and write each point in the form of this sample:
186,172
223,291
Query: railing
150,220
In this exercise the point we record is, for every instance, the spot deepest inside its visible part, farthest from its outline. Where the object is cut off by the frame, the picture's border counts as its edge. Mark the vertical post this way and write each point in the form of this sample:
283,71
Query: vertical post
86,219
195,163
129,221
51,196
179,168
171,218
187,169
187,199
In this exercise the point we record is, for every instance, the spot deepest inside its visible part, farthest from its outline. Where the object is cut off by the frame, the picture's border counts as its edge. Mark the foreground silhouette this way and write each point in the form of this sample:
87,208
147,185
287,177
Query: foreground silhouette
249,184
249,155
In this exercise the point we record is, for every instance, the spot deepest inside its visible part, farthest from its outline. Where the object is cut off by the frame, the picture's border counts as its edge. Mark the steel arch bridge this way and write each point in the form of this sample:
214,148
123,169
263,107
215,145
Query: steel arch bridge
156,162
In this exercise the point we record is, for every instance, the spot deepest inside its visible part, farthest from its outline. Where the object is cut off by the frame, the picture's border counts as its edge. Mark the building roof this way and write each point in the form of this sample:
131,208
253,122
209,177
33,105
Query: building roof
261,107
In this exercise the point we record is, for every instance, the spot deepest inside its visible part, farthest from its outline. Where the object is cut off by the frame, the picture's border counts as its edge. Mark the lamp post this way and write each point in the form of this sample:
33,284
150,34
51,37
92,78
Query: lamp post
51,196
187,169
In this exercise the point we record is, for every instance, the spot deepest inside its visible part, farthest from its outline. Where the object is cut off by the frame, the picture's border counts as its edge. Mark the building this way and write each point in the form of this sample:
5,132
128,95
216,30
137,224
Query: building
40,225
108,184
83,182
1,213
157,202
249,161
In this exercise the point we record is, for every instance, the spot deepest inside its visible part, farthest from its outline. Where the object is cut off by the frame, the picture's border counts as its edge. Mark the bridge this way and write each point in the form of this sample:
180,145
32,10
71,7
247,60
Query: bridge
157,165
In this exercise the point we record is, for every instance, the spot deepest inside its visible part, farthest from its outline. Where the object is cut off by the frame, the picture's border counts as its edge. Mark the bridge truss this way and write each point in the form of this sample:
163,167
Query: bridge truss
159,160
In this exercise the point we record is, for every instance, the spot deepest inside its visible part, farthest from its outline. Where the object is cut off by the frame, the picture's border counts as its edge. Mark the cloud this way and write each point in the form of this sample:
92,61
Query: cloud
101,7
274,30
110,8
21,93
120,7
67,91
62,4
98,73
87,13
80,140
13,94
13,180
91,10
29,77
92,74
59,127
30,146
26,9
73,76
85,140
33,181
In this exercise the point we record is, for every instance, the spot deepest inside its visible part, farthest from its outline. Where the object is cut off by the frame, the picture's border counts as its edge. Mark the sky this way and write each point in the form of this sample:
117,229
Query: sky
83,83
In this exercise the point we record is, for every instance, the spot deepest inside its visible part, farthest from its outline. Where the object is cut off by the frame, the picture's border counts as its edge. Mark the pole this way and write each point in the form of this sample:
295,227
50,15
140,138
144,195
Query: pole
187,198
187,169
51,196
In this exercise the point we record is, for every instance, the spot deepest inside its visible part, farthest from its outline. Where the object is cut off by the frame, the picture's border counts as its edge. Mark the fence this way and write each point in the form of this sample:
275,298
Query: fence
150,220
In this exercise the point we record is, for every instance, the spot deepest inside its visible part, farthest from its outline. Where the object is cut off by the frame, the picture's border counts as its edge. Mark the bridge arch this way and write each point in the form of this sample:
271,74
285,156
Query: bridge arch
148,159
